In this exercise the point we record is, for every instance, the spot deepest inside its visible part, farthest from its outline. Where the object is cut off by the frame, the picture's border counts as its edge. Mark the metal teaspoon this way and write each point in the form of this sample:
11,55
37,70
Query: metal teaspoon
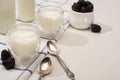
45,67
53,50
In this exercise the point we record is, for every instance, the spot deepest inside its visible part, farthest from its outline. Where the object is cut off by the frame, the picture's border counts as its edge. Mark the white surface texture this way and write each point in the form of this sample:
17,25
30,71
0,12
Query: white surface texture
91,56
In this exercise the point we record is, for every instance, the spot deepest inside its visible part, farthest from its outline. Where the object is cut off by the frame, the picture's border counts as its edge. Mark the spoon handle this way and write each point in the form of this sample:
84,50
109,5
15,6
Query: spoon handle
40,77
66,69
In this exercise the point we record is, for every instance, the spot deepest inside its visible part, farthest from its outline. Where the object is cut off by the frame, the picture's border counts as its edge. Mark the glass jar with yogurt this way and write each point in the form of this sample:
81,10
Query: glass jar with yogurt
50,18
24,41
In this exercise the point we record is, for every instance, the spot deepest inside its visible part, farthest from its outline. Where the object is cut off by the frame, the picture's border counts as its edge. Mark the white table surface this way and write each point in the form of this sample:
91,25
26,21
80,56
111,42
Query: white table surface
91,56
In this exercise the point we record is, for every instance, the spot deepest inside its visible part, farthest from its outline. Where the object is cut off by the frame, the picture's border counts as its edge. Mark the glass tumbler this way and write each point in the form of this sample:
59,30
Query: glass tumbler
50,18
24,41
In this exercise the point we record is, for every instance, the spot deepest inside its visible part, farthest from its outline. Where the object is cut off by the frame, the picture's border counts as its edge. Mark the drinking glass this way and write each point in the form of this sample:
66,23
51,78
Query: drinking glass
24,41
50,18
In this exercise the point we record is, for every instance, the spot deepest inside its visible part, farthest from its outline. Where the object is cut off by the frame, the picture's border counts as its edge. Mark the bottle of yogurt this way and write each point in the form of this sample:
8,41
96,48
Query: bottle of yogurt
7,15
26,10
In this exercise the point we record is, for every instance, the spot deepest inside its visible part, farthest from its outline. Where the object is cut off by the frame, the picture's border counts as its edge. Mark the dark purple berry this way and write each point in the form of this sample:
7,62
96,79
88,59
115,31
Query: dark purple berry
81,0
95,28
9,63
90,8
88,2
76,7
83,6
7,59
5,54
83,9
81,3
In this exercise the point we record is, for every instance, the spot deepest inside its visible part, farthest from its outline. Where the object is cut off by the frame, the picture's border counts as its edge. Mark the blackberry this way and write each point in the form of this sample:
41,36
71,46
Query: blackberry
83,9
9,63
80,1
95,28
5,54
83,6
90,8
7,59
88,2
76,7
83,3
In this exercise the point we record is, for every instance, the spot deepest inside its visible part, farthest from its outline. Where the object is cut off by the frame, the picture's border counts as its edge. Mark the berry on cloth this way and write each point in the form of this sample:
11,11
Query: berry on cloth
9,63
8,60
5,54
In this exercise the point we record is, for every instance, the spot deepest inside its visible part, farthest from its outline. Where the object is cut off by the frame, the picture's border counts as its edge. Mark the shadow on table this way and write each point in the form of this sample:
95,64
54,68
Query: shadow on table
105,28
73,39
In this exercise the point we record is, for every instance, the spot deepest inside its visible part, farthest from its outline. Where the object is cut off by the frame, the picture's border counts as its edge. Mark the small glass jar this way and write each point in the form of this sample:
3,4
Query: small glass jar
50,18
24,41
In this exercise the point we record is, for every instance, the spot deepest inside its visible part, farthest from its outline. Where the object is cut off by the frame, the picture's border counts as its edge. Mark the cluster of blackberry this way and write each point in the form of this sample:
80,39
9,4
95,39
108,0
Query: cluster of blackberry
83,6
7,59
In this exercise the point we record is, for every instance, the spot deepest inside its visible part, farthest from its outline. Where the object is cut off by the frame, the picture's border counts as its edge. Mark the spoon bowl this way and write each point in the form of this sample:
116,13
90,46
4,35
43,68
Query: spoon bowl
52,48
45,67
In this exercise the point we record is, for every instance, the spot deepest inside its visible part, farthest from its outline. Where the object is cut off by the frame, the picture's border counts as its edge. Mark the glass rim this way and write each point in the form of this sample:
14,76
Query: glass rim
24,26
51,6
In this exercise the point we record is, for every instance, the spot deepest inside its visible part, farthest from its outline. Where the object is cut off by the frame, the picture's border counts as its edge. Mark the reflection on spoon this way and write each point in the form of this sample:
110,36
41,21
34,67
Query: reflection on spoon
53,50
45,67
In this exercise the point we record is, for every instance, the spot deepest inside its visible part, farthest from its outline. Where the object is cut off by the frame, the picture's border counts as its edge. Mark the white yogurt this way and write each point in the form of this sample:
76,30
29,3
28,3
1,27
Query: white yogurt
50,18
24,43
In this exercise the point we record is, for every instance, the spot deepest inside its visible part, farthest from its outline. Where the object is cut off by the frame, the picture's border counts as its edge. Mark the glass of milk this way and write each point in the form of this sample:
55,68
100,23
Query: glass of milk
24,41
50,18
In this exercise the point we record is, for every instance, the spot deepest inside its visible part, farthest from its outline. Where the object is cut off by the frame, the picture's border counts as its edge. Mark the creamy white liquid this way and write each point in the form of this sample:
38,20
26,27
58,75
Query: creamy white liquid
26,10
50,19
24,43
7,15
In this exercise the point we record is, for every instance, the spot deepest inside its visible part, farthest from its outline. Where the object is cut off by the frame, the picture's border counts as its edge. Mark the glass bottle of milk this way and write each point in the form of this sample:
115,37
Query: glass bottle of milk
7,15
26,10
